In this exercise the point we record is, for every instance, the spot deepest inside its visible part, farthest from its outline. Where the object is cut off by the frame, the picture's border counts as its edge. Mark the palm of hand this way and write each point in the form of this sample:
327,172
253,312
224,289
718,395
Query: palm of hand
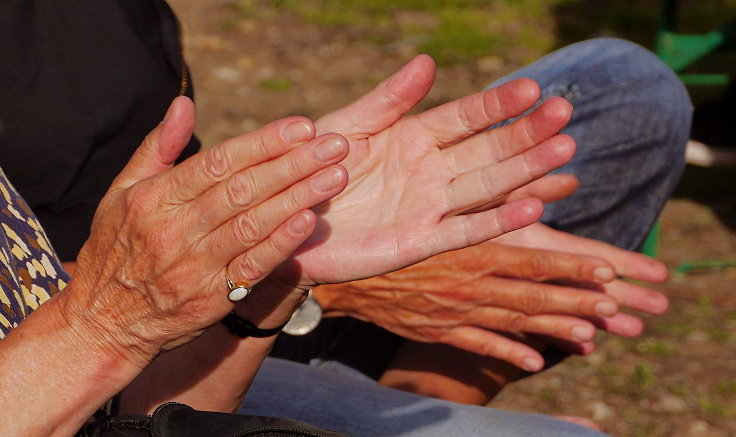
411,177
388,216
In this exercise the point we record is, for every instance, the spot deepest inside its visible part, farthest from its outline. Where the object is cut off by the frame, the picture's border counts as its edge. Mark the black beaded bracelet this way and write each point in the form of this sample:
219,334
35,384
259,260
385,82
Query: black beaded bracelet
237,325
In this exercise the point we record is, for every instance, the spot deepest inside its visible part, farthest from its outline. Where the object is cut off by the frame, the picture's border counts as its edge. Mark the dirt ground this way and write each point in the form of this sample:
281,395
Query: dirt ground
678,379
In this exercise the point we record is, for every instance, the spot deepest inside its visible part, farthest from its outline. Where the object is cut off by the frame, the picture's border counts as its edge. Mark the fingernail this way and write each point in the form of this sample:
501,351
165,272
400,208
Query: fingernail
299,224
327,179
297,131
531,365
329,149
582,333
606,309
603,274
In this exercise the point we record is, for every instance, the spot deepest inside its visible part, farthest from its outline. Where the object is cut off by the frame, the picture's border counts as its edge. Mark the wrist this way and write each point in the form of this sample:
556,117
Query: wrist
98,331
329,296
271,304
348,299
47,358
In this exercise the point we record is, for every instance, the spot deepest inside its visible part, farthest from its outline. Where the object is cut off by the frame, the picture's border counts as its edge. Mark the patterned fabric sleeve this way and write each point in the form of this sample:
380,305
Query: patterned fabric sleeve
30,272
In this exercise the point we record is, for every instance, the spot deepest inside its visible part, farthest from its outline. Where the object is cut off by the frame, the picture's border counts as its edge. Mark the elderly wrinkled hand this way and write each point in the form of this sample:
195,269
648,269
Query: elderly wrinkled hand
459,298
152,274
628,266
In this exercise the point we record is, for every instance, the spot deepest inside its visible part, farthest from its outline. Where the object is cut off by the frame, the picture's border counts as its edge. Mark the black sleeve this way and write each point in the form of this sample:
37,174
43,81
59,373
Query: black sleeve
82,82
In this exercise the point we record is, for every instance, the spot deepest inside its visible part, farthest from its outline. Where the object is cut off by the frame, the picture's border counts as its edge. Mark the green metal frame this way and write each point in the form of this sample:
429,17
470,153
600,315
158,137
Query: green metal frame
679,51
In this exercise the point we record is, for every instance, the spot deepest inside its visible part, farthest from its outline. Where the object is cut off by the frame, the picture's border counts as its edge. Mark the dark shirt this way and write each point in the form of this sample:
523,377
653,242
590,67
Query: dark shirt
82,82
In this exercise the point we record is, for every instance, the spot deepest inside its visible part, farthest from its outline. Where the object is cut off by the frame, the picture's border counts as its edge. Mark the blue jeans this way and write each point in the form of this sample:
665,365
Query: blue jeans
631,122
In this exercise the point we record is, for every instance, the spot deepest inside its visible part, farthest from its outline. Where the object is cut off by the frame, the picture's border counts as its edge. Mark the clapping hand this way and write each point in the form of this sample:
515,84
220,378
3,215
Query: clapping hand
428,183
151,276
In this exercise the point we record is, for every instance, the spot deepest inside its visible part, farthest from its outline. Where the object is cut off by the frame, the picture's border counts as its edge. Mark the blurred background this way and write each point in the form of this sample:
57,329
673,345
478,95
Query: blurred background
256,60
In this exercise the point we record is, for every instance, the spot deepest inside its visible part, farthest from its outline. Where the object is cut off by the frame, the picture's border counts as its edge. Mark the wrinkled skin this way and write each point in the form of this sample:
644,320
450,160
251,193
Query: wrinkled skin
151,275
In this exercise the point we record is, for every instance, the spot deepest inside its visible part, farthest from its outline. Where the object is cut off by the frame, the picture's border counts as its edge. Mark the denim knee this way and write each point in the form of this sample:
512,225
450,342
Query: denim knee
631,122
666,97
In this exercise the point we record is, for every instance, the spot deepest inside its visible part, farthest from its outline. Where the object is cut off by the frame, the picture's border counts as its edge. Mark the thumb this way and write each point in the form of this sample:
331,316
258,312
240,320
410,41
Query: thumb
162,145
381,107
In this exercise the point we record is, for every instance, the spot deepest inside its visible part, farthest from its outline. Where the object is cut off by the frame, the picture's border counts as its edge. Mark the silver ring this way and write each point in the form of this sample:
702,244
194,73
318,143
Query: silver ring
238,291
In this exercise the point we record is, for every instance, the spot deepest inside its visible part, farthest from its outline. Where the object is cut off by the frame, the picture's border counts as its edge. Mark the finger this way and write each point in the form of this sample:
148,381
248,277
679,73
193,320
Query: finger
637,297
202,171
533,298
621,324
502,143
162,146
250,227
258,262
382,106
550,188
545,265
554,325
489,344
461,118
468,230
571,347
629,264
250,187
494,181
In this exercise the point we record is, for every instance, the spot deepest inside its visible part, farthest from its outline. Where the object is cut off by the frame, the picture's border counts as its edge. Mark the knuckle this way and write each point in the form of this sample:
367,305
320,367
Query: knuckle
247,230
540,267
280,245
240,190
297,196
463,116
582,271
133,199
516,322
147,144
486,178
216,162
493,146
293,165
134,212
527,164
487,348
262,138
468,234
528,130
251,270
534,302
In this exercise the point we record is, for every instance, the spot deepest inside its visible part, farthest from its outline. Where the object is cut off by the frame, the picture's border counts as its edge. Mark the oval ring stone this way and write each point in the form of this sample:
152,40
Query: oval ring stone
238,292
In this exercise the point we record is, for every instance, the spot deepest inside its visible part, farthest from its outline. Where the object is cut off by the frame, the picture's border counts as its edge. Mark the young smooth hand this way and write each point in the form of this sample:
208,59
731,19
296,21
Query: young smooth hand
428,183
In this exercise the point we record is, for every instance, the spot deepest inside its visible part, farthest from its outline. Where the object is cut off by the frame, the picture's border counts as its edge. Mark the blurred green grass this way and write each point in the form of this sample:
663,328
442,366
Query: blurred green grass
452,31
456,31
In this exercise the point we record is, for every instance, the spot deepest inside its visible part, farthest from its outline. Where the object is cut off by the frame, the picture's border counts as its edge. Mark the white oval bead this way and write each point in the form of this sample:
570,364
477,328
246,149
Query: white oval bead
238,293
